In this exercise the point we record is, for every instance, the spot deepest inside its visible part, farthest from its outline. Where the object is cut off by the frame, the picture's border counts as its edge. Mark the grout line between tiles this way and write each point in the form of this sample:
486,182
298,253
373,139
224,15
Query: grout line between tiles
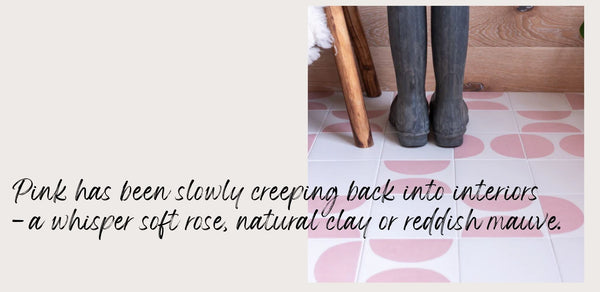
556,259
361,254
362,250
374,183
535,183
324,119
311,146
459,234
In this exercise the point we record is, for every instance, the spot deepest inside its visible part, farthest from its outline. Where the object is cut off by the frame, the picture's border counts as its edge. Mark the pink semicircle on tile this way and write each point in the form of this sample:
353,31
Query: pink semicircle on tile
401,184
311,140
316,106
376,113
370,114
407,275
481,95
497,205
346,127
576,100
471,146
485,105
410,250
537,146
573,144
340,114
338,263
484,232
340,203
508,145
547,127
416,166
322,232
545,115
319,94
569,216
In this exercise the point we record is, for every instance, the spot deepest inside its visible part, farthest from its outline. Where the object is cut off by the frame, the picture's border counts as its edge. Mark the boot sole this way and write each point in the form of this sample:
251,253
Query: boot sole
411,140
448,141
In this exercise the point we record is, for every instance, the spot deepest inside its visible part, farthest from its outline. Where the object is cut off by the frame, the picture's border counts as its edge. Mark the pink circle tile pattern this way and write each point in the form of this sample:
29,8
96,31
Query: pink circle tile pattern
407,275
567,213
485,105
346,127
471,146
482,95
545,115
319,94
508,145
576,100
416,167
573,144
338,263
537,146
550,128
410,250
316,106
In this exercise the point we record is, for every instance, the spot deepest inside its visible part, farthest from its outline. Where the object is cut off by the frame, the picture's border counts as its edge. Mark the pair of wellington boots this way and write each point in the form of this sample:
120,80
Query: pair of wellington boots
447,116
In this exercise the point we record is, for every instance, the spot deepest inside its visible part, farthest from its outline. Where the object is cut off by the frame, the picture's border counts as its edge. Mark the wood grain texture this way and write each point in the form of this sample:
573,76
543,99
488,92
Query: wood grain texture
498,26
498,68
348,74
362,52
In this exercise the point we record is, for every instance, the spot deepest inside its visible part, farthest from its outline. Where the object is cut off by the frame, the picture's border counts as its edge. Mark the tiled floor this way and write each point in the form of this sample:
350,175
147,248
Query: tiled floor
513,140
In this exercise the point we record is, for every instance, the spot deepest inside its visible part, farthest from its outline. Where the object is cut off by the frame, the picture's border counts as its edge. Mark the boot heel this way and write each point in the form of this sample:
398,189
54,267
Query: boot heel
448,141
410,140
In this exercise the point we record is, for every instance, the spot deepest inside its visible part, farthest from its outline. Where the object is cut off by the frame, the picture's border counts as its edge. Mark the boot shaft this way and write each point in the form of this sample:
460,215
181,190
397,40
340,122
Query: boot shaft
449,38
408,42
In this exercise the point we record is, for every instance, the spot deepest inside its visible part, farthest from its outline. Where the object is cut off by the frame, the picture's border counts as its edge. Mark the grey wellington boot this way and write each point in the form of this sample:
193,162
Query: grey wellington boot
449,39
408,41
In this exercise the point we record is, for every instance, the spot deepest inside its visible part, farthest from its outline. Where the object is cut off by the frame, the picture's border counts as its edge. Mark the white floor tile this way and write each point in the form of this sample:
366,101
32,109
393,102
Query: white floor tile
507,260
315,120
538,101
558,176
342,173
495,150
340,146
570,257
393,150
382,102
494,173
491,122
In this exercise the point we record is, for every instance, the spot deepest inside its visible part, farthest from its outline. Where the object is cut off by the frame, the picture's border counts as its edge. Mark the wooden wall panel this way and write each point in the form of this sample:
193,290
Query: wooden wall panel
539,50
497,26
500,69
